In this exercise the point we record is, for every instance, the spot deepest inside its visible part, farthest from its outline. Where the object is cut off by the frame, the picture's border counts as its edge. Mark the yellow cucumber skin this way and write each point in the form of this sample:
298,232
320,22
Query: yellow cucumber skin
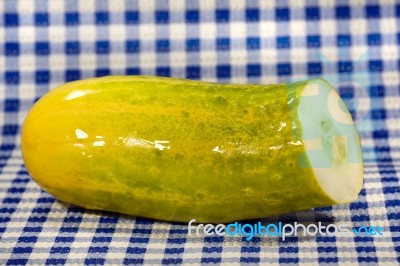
171,149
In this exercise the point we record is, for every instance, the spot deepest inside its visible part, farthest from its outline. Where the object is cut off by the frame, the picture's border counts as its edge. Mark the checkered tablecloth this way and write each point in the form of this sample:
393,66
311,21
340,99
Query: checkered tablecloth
352,44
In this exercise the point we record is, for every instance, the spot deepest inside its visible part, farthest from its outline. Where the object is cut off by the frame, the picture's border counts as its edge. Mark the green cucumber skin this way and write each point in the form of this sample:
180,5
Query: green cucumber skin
257,175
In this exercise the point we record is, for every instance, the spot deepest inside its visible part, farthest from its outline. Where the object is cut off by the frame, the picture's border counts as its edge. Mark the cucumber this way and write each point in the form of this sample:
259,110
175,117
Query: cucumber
176,150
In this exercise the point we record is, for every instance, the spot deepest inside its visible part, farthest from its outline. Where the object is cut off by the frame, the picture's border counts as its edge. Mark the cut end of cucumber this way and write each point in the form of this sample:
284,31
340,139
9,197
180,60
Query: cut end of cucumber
331,141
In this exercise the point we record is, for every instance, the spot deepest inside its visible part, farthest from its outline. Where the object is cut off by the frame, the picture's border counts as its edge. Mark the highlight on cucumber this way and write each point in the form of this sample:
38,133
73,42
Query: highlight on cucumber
175,149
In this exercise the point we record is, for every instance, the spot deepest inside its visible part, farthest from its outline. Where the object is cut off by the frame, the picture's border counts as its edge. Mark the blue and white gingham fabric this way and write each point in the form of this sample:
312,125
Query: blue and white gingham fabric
353,44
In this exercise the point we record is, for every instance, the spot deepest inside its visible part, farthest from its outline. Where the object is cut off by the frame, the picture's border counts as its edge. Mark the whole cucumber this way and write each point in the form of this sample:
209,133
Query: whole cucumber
177,150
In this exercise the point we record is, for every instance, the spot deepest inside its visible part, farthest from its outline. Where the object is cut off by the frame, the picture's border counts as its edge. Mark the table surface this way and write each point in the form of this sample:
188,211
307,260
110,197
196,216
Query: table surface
352,44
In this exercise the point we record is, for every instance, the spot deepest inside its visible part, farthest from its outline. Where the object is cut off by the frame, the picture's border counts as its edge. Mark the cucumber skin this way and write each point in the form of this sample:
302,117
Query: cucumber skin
257,175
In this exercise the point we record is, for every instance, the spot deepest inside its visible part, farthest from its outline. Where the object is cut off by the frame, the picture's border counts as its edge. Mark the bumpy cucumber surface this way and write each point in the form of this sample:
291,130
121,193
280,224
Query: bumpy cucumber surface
177,150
